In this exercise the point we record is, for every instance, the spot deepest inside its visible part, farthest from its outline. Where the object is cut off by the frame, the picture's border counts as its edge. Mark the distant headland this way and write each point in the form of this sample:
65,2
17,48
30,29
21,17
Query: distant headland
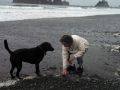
102,3
50,2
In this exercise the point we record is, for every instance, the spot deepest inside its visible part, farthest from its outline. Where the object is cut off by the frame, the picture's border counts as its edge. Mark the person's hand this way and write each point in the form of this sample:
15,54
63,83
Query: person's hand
64,72
72,58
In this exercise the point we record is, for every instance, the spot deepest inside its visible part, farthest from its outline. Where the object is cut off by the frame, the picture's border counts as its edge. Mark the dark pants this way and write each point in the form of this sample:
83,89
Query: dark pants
79,59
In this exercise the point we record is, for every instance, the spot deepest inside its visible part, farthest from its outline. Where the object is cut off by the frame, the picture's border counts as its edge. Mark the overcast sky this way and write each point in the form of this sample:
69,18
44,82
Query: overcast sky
84,2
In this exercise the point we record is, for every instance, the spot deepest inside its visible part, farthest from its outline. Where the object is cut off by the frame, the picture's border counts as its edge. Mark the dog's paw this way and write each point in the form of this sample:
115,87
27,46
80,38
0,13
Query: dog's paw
13,77
20,78
38,74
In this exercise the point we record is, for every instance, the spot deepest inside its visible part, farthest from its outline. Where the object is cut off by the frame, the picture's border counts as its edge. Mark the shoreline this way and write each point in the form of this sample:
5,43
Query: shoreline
99,60
62,17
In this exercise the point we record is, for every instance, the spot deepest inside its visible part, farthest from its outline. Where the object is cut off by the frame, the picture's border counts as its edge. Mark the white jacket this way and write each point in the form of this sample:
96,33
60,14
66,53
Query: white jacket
78,48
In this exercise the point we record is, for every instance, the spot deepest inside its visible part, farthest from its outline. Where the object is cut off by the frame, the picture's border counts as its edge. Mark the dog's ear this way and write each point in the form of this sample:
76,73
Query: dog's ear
47,46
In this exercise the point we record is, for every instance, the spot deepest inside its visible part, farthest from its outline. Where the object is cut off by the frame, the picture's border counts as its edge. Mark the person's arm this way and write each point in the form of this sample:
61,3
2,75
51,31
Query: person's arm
65,57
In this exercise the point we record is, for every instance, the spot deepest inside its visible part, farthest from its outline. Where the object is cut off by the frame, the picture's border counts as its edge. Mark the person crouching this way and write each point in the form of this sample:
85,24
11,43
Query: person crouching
73,47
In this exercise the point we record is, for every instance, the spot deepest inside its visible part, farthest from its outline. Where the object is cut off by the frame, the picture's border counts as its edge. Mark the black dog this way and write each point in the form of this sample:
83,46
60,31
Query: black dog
32,56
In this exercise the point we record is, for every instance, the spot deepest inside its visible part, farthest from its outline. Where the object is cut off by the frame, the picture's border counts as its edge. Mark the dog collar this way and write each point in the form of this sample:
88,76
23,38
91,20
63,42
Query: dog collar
42,50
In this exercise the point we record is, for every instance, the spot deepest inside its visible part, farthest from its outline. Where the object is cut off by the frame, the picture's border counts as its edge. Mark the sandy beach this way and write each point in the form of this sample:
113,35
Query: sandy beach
101,62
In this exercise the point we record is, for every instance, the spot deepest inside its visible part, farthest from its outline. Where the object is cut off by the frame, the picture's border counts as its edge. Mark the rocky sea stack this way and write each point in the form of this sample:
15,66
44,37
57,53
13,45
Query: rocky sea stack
102,3
50,2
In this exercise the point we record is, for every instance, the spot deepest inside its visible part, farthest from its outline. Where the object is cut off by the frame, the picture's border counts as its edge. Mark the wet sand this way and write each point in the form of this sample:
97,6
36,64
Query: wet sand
99,61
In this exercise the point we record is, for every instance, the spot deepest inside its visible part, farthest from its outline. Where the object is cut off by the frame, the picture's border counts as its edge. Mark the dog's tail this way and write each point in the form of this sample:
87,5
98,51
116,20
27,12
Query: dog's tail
6,47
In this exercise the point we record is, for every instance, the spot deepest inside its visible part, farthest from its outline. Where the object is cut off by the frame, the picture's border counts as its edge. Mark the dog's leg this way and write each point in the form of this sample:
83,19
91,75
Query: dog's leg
11,71
19,67
37,70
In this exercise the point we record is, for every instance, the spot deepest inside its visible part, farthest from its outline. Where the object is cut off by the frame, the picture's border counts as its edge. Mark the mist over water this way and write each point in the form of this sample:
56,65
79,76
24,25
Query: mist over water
15,11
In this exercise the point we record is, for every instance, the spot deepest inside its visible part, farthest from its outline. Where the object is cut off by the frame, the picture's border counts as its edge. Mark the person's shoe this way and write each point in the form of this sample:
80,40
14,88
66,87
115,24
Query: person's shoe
79,70
71,68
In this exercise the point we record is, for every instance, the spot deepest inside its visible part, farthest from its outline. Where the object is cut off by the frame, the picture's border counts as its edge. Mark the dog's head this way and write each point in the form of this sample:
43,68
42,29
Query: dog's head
46,46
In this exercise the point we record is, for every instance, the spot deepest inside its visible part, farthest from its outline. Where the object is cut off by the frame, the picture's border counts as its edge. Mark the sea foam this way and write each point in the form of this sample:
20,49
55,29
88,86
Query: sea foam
24,11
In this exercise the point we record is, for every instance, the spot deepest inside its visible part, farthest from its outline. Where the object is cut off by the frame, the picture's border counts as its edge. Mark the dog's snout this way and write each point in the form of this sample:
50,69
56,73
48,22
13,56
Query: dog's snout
52,49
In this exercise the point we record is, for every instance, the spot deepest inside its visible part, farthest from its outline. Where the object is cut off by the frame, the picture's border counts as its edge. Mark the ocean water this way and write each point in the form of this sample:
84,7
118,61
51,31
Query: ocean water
15,11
